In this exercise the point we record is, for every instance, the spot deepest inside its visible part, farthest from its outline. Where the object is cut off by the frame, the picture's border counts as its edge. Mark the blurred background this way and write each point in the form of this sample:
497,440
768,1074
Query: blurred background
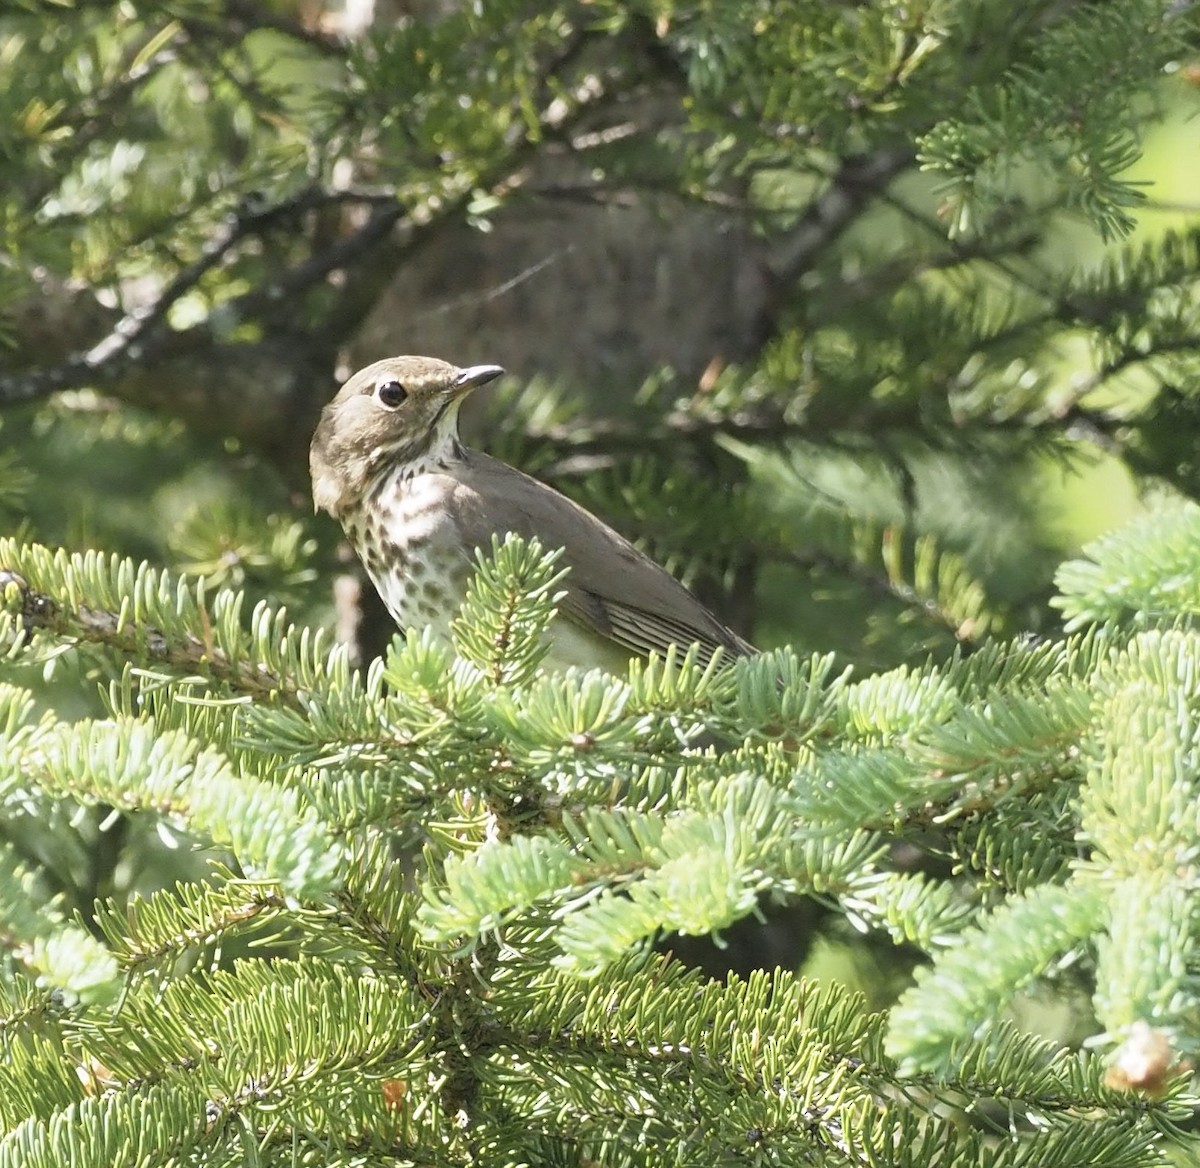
861,317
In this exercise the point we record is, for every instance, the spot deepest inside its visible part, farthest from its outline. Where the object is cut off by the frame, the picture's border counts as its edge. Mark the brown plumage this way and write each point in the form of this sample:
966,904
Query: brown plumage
387,463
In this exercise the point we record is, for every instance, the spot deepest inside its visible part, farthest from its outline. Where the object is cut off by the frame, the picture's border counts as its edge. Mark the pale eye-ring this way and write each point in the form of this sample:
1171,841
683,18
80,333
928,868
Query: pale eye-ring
391,393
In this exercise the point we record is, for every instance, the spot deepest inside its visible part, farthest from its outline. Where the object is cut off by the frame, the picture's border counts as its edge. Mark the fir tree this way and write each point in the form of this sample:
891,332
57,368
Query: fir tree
268,897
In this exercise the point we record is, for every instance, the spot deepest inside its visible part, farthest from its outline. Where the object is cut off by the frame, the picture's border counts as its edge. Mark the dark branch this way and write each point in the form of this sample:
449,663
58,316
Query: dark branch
852,188
142,335
1189,343
344,253
580,446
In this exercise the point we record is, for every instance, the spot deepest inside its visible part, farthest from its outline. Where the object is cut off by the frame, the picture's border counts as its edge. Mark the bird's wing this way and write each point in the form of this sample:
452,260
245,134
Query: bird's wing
612,588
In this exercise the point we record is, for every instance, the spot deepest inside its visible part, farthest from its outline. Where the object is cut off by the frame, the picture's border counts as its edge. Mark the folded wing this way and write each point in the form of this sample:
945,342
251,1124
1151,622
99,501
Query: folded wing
612,589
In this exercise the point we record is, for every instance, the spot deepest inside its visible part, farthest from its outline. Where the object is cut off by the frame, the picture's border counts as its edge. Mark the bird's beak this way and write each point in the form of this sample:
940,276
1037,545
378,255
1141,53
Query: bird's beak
474,375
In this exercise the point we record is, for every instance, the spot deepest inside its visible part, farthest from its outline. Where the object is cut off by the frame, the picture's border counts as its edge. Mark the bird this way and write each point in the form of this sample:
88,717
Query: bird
417,505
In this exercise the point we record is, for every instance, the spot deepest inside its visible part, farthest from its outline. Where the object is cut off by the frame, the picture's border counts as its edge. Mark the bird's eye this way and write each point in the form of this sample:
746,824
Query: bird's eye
391,394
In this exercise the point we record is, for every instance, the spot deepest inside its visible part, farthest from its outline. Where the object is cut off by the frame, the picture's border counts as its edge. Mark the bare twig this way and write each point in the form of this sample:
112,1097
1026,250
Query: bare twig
484,295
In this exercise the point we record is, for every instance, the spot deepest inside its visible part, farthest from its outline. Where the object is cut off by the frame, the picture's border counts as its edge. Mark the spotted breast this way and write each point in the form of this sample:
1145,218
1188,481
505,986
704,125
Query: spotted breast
406,538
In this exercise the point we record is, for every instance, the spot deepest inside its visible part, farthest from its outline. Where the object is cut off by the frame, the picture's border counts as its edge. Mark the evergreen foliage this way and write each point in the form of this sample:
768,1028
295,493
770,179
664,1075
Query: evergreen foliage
500,1000
267,902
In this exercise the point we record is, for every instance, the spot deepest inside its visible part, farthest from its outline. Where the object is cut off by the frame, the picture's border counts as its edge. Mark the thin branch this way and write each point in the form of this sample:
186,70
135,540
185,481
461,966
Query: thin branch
97,626
997,260
1190,343
880,282
371,236
583,446
851,190
855,184
365,283
140,334
485,295
625,194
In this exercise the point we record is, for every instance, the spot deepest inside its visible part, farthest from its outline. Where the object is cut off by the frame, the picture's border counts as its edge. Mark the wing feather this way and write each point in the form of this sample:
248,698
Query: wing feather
612,589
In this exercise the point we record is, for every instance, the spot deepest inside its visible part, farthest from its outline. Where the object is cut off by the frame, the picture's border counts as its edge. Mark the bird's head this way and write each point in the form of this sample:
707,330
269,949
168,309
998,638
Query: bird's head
396,412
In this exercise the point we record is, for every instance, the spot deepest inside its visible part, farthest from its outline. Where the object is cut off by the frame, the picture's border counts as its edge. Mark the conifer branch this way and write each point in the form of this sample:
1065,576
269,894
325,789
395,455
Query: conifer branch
1143,568
858,180
114,630
54,951
142,336
150,616
154,932
960,993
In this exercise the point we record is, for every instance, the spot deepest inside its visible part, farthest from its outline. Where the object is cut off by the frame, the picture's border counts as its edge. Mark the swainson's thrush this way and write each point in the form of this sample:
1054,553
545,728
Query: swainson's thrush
415,503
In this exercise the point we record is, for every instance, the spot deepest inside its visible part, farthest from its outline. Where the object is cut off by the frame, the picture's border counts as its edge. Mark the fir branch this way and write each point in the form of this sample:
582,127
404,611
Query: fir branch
858,180
211,382
621,876
508,608
1007,737
1023,842
103,1130
149,616
754,1048
573,730
783,697
494,882
254,1028
806,1033
960,994
956,760
107,628
154,932
133,766
181,1069
1083,120
1144,569
142,336
1138,816
1148,353
56,952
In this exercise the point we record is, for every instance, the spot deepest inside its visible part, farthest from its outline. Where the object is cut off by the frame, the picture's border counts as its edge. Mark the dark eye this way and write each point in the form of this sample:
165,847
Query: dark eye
391,394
